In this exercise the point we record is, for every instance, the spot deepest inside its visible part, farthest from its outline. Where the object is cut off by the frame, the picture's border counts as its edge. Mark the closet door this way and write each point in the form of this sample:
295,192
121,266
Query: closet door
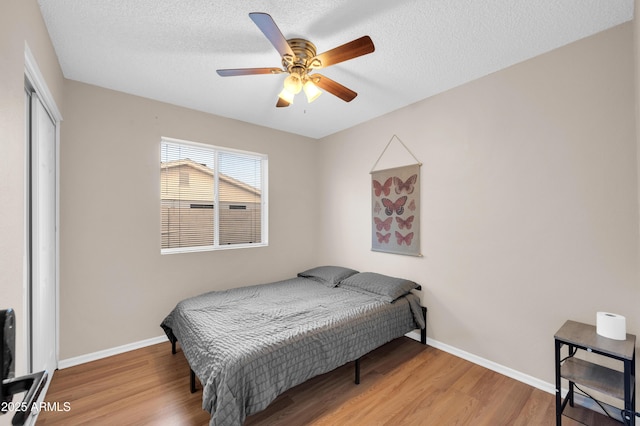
43,238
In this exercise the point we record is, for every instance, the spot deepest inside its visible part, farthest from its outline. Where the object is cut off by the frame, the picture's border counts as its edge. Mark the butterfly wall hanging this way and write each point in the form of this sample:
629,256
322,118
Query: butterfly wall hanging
395,201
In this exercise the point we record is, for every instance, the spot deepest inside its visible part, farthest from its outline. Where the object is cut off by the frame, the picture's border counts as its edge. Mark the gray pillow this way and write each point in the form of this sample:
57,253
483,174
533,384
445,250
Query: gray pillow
328,275
384,287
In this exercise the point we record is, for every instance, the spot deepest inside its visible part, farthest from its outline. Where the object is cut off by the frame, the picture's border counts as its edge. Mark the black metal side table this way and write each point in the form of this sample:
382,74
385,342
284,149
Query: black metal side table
614,383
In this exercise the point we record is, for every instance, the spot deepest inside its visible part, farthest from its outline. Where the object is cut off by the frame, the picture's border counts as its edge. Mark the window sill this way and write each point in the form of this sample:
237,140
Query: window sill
211,248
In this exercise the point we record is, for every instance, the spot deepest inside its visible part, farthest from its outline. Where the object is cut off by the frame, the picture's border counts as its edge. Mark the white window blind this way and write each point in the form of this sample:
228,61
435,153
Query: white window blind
211,197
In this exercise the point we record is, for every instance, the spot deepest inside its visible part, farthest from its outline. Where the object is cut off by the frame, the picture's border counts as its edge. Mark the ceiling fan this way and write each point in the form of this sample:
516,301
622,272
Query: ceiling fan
299,59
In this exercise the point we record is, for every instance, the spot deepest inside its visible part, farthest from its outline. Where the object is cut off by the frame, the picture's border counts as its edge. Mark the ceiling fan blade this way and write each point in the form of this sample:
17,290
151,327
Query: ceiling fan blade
333,87
282,103
353,49
248,71
267,25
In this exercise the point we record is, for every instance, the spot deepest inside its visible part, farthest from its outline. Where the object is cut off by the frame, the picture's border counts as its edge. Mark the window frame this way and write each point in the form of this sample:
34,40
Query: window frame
264,190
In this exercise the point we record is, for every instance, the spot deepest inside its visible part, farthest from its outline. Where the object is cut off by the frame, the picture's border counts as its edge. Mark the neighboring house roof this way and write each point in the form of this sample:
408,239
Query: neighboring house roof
223,178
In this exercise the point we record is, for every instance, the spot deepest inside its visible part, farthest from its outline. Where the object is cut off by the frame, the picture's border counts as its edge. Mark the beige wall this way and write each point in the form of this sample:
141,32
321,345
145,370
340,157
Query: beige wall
529,201
115,286
20,22
636,56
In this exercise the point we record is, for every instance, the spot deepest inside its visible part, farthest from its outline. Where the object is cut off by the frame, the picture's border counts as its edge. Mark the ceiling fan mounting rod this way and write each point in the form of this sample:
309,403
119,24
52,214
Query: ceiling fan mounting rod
298,70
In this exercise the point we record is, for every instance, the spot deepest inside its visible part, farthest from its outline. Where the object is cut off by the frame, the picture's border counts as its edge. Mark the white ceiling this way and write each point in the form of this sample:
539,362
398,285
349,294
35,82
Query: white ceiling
169,50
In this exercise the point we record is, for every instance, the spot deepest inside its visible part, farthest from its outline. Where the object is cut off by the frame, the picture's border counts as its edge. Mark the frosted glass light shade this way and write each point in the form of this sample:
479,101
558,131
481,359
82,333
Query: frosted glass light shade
312,91
293,84
286,95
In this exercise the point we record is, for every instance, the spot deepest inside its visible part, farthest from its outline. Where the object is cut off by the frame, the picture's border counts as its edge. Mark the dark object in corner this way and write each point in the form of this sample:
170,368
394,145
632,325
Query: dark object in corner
31,383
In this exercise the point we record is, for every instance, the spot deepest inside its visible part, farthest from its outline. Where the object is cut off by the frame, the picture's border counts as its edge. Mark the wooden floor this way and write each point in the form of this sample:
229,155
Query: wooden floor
403,383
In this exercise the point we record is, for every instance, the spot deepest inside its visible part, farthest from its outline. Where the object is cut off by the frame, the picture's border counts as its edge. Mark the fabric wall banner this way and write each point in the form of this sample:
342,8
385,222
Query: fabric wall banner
395,210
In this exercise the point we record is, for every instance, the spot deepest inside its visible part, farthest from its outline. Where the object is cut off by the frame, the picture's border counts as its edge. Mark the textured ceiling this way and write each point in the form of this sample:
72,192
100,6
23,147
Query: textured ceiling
169,50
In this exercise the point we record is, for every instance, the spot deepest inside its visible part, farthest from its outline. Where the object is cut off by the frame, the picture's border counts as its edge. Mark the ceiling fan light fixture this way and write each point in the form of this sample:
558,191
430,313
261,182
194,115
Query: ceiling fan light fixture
311,90
293,84
299,57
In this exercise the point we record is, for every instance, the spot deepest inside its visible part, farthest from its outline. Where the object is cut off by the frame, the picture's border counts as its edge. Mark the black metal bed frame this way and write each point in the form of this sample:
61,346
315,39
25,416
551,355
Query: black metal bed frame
192,376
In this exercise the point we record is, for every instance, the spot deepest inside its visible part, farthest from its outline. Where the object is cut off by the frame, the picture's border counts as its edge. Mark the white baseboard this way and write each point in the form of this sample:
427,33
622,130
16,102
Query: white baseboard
70,362
509,372
506,371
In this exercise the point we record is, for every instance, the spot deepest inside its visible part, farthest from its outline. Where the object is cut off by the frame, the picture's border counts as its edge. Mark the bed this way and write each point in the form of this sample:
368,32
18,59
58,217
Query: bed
250,344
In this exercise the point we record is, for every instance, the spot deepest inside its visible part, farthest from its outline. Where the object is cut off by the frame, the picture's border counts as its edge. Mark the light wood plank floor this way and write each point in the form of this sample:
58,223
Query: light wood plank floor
403,383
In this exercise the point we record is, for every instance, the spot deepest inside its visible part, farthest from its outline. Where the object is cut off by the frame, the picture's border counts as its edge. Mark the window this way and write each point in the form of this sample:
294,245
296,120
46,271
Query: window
211,198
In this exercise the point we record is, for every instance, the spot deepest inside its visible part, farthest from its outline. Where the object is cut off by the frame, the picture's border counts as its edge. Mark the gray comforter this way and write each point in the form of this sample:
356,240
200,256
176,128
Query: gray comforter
250,344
